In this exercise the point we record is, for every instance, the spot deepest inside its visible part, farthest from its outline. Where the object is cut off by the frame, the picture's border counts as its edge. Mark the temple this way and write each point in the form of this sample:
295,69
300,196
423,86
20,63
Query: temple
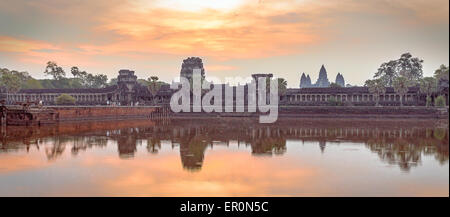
129,92
188,66
340,80
322,80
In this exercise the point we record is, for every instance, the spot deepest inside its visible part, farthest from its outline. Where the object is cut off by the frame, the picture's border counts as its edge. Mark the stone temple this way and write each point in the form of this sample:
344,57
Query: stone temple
305,81
129,92
322,81
188,66
340,80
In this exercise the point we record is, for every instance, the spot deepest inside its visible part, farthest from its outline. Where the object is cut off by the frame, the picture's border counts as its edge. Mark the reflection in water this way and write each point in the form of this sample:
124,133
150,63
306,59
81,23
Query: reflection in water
395,143
403,144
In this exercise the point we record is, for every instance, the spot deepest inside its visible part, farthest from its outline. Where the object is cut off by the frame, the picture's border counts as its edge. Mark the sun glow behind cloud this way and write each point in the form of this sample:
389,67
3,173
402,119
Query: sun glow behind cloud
244,32
198,5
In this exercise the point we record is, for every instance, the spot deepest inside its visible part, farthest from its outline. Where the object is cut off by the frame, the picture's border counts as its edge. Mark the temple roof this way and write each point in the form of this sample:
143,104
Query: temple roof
344,90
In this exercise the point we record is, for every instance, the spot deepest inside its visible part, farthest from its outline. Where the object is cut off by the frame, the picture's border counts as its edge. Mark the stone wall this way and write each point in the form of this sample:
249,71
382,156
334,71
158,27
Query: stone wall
363,112
383,112
76,113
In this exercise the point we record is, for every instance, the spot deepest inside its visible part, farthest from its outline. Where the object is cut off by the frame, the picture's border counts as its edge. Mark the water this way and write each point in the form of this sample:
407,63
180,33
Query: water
227,157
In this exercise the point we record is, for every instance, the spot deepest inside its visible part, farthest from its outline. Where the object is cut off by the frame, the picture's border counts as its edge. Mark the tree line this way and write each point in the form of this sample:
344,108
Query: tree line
406,72
14,80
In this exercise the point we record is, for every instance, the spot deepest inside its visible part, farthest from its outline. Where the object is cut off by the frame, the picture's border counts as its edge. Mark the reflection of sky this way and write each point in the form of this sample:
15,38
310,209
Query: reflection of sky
345,169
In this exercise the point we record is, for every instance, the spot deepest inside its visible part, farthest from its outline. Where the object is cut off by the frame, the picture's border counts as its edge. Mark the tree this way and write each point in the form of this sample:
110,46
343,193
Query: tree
387,73
377,88
410,67
65,99
440,101
153,85
89,80
23,77
282,86
401,86
335,85
61,83
97,81
112,82
11,81
442,77
77,73
428,86
442,72
4,70
54,70
154,78
407,66
32,84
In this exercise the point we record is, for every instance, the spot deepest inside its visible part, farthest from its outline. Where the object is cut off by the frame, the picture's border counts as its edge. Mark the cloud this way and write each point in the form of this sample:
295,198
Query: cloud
244,32
45,50
9,44
290,17
102,33
220,67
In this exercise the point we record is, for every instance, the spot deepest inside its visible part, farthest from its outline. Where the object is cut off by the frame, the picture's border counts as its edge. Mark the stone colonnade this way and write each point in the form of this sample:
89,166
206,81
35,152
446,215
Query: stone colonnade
49,98
317,97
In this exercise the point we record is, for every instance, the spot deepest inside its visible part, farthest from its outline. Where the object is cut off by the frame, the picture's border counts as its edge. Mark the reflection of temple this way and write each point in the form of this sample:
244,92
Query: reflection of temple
322,145
126,143
192,154
399,143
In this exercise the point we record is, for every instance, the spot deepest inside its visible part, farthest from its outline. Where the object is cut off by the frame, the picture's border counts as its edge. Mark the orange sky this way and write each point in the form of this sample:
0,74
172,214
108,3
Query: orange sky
235,37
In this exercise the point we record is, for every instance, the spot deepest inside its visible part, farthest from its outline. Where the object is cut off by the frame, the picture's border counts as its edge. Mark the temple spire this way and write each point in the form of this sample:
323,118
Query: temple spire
322,81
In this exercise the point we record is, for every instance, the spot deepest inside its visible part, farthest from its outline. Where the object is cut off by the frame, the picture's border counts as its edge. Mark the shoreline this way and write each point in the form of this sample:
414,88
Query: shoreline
343,112
55,114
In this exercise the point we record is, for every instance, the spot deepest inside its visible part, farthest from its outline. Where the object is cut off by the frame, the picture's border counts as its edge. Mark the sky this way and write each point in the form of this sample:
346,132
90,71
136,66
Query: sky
233,37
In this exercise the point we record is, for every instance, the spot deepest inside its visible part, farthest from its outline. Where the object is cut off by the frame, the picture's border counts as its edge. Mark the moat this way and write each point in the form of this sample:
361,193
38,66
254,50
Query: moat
227,157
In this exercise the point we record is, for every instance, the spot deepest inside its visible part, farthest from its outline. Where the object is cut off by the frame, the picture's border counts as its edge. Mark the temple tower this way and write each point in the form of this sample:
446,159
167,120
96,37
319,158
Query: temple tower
305,81
188,66
322,81
126,81
340,80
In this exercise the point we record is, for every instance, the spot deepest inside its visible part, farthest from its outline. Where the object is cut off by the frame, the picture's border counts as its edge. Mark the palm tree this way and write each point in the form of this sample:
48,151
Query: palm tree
153,85
9,82
282,85
376,87
401,86
441,73
428,86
